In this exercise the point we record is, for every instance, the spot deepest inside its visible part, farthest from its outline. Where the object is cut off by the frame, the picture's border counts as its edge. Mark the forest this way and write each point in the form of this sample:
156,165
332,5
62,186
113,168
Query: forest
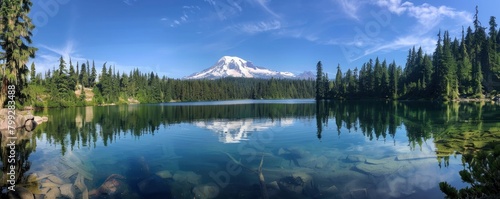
82,85
457,69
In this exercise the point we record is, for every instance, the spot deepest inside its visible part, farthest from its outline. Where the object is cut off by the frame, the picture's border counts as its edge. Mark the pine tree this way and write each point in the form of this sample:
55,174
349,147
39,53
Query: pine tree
493,55
464,68
393,81
72,76
33,73
15,37
320,90
339,87
83,78
93,75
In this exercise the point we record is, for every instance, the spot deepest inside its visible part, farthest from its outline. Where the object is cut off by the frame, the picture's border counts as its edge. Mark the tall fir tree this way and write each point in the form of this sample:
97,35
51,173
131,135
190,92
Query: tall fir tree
15,43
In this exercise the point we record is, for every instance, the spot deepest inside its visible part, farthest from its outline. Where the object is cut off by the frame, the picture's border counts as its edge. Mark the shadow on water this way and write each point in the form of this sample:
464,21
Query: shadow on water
293,171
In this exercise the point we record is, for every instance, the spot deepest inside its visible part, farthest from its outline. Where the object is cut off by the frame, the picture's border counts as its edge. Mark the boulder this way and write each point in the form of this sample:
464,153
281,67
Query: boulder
208,191
187,176
67,190
299,183
164,174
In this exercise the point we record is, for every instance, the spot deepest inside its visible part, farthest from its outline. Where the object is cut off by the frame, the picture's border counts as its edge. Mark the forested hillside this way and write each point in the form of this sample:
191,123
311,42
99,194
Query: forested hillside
81,84
468,67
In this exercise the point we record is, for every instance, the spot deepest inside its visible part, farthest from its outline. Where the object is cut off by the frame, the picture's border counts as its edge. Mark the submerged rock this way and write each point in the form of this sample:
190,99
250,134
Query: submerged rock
187,176
164,174
299,183
113,185
67,190
207,191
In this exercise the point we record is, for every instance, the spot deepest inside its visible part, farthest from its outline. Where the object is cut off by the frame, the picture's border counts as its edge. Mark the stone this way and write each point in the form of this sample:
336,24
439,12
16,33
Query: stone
299,183
273,185
164,174
55,179
20,193
67,190
332,190
187,176
153,185
54,192
355,158
205,191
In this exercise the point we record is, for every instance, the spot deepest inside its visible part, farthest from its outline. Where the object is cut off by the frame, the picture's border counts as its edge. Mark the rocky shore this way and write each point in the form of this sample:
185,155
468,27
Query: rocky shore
22,119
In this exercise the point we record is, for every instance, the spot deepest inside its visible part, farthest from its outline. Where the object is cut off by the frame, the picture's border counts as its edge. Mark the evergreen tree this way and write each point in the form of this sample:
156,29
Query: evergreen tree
464,68
393,81
72,76
33,73
15,39
83,78
339,87
93,75
320,89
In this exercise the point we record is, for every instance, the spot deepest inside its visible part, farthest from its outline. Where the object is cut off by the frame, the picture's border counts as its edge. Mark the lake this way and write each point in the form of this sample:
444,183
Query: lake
245,148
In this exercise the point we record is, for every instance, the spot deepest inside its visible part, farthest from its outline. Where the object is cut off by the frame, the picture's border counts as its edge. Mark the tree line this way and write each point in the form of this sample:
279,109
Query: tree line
469,67
57,87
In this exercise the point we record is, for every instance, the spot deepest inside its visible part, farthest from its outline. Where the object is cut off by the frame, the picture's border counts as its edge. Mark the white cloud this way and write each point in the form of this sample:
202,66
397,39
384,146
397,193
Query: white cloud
259,27
350,8
427,16
427,44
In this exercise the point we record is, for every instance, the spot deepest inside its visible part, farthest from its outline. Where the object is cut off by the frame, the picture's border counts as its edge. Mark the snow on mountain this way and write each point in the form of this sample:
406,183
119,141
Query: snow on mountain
235,131
230,66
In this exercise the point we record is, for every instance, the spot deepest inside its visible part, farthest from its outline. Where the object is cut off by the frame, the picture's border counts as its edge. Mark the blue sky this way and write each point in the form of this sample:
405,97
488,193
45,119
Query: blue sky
179,37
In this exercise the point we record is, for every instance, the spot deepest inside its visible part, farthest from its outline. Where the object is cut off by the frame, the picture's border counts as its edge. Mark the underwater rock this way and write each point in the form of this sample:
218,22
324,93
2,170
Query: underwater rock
273,185
164,174
355,158
205,191
299,183
53,193
187,176
112,185
21,193
67,190
152,185
55,179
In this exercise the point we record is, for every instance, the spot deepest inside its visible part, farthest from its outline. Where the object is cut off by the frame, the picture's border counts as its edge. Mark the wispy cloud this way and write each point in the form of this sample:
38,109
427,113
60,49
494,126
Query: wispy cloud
350,8
184,18
427,16
129,2
263,26
427,43
226,9
265,5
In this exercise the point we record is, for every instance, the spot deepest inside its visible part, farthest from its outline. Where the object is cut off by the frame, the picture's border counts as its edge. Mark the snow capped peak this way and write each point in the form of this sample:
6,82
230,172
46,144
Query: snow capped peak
232,59
232,66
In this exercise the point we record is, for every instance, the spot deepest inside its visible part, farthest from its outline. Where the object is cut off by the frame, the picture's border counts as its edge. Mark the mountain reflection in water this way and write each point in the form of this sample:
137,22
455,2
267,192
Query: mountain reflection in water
214,150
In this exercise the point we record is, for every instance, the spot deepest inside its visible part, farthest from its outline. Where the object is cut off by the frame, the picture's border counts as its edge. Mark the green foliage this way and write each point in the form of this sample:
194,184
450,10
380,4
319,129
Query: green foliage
482,172
15,37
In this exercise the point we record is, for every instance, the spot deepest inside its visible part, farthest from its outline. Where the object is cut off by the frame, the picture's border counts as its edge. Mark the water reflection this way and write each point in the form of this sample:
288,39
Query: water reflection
234,131
318,150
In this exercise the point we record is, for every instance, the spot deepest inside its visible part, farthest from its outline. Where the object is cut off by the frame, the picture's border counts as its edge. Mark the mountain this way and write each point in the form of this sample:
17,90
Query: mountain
230,66
306,75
